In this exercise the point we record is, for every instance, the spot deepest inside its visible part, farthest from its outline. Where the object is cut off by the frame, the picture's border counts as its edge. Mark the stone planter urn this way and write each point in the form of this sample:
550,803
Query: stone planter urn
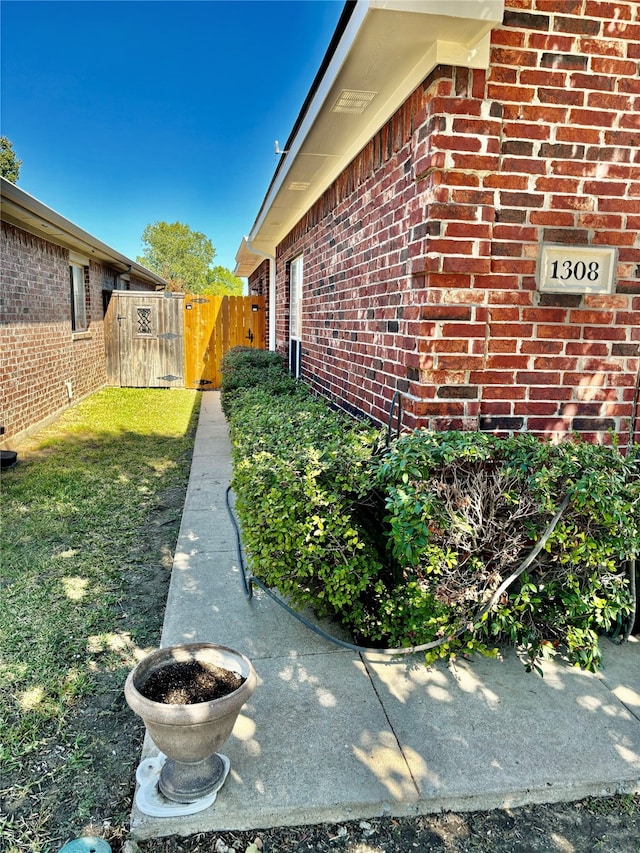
190,734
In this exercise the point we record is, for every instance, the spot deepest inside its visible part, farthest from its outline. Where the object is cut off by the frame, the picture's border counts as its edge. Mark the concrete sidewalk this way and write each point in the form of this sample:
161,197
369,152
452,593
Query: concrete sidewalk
330,735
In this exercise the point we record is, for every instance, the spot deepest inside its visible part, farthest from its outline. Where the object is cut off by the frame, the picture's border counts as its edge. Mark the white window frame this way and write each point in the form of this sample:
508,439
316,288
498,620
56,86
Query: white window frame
79,321
296,279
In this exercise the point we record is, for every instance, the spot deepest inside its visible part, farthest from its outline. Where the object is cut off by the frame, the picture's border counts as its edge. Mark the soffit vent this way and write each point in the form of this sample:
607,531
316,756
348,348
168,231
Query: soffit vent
354,101
299,186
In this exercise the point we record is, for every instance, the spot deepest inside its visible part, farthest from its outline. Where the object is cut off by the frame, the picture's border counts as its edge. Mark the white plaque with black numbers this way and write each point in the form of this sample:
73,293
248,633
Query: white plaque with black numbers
576,269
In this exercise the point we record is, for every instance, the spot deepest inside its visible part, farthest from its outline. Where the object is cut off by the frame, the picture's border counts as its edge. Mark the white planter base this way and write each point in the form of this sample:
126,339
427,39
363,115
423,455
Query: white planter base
151,802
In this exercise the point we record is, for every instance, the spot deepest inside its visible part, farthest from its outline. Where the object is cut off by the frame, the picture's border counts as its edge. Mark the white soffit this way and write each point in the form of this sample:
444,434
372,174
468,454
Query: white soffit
387,49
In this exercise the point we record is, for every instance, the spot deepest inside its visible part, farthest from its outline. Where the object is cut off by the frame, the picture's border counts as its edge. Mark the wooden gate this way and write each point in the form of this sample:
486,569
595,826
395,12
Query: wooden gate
144,339
212,326
161,340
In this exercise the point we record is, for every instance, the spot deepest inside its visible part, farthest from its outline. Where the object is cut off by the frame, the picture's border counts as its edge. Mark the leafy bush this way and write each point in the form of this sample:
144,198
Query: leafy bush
244,367
412,544
298,471
464,509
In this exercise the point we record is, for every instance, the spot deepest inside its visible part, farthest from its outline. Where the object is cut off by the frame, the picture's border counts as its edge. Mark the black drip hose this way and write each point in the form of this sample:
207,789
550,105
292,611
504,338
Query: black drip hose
249,581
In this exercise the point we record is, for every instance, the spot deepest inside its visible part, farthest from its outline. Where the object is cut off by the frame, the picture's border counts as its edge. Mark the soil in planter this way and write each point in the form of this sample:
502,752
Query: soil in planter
190,682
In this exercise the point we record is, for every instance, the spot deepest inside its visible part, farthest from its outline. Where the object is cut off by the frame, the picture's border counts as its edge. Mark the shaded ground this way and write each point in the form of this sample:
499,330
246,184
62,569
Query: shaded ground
93,796
586,827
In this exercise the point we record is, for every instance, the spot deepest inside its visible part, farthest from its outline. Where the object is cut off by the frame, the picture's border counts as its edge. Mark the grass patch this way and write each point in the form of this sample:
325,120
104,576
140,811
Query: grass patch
90,517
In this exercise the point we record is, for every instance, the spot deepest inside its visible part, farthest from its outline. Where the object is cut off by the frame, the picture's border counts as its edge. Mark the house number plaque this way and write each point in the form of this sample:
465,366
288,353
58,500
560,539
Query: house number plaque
576,269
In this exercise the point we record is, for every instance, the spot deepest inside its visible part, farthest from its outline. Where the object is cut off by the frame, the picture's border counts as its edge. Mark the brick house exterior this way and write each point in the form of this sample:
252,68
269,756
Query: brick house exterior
422,259
45,364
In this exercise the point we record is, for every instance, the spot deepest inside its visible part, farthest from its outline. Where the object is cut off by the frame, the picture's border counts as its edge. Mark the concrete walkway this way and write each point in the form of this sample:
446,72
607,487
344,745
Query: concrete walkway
330,736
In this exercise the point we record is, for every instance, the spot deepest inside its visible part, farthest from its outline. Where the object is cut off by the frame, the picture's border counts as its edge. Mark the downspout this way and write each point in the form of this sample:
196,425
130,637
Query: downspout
117,275
272,291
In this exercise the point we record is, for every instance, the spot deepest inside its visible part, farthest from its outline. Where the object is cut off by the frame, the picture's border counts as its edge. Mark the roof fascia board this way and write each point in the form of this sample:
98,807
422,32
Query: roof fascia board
493,9
472,55
17,205
295,142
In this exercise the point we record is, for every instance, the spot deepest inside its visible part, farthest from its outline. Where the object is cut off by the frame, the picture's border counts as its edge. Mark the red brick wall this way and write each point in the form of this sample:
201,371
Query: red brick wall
39,351
419,262
259,284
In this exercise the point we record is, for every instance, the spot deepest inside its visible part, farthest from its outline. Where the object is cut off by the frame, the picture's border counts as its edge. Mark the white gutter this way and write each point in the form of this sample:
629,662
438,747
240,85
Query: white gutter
355,22
28,213
423,34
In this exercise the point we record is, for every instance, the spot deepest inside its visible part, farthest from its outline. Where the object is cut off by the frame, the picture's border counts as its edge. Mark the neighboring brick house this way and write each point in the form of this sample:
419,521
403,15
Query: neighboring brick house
55,285
456,216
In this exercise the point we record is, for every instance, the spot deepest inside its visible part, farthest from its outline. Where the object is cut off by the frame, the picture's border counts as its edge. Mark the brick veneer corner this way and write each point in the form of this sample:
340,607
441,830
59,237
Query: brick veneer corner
420,260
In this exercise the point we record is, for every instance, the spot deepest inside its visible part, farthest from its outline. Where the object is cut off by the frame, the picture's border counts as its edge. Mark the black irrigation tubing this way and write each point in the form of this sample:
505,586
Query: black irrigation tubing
250,581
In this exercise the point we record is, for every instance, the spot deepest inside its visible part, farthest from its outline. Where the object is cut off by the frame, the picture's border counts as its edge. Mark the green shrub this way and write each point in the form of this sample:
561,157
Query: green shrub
299,469
408,545
244,368
464,509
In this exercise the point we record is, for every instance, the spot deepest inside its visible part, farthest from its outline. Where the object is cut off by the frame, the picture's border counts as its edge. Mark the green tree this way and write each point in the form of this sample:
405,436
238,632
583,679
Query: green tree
9,163
222,282
177,253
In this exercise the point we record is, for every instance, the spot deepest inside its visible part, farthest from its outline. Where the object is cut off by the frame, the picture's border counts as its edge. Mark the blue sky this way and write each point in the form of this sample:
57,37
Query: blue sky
126,113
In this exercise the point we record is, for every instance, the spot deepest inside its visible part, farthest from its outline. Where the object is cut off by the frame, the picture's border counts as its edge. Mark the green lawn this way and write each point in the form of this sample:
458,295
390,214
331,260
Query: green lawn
89,519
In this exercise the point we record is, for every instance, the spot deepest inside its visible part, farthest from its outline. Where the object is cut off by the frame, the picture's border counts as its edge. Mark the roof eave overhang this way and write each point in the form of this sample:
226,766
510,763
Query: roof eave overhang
387,48
27,213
